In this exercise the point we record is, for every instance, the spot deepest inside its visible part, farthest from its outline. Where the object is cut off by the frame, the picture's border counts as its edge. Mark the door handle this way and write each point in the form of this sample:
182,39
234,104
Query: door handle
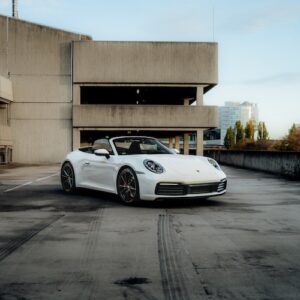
86,164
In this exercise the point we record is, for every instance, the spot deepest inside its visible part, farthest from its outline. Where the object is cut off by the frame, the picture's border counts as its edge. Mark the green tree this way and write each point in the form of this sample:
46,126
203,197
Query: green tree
293,130
239,130
229,138
249,130
260,131
265,132
291,142
293,139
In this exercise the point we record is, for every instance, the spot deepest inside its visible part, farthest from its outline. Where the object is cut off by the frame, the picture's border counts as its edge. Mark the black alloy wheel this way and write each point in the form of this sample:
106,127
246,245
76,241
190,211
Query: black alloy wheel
128,186
67,178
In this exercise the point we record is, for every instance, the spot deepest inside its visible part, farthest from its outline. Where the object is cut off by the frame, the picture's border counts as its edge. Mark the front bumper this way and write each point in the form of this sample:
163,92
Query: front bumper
178,189
153,188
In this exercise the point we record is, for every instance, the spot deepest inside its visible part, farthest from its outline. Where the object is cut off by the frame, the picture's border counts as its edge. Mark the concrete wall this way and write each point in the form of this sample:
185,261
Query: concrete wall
6,93
48,128
145,62
6,97
145,116
282,163
5,135
37,59
3,114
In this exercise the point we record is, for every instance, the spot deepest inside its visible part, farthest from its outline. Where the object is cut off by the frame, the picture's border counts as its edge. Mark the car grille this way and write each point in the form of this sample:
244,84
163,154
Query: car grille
203,188
170,189
222,185
177,189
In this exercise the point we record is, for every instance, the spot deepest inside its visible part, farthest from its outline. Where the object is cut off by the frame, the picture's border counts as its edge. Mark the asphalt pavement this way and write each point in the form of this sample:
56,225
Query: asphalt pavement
242,245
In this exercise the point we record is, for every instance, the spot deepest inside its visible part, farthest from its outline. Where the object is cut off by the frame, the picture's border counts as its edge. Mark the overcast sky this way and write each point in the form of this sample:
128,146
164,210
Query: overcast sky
259,41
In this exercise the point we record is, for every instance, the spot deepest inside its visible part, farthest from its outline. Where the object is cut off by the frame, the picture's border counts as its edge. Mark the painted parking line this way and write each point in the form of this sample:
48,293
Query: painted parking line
18,186
44,178
30,182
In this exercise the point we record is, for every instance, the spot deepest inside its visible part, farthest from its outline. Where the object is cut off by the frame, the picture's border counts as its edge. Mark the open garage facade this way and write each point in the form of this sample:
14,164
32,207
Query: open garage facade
143,88
68,90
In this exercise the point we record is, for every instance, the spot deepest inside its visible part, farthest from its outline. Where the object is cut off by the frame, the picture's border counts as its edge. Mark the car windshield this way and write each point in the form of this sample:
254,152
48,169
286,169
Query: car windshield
139,145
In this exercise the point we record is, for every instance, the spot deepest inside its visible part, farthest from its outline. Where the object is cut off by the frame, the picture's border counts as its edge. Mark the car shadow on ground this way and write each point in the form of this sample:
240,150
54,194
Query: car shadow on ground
161,203
53,198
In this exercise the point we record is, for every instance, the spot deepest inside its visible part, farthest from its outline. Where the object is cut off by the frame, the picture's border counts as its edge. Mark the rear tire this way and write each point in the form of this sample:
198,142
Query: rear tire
67,178
128,186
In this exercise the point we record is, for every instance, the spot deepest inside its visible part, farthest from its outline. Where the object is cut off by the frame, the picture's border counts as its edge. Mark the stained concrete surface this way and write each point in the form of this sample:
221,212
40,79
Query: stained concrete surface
243,245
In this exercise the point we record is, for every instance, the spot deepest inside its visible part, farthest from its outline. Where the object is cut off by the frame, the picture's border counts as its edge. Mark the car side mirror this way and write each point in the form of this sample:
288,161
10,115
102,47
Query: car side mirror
175,151
102,152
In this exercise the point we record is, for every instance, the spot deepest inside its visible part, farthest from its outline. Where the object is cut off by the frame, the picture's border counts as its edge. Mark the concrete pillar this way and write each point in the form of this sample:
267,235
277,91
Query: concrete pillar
10,154
186,144
76,138
76,94
170,142
177,139
186,138
8,114
199,96
199,141
6,160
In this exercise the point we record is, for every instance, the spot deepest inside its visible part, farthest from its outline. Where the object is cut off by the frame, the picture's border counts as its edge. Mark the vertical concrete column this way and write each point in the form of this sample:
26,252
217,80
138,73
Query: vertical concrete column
76,138
9,158
76,94
186,144
170,142
177,139
8,114
186,137
199,96
199,141
6,159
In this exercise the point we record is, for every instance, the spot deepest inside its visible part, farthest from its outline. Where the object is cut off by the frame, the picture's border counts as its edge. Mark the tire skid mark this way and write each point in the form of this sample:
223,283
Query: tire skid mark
88,260
20,240
85,262
173,279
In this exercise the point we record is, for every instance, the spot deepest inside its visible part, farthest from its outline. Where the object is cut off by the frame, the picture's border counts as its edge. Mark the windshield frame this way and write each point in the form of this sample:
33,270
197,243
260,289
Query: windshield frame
112,142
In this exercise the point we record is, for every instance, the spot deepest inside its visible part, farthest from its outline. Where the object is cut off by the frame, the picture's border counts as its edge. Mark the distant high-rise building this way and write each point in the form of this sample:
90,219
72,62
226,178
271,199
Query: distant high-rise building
228,115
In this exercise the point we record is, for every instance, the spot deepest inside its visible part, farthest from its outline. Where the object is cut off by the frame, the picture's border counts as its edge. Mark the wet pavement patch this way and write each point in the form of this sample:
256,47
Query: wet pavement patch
132,281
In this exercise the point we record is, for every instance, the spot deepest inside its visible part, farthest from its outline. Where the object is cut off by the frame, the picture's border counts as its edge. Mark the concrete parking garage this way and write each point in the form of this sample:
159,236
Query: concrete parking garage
57,86
243,245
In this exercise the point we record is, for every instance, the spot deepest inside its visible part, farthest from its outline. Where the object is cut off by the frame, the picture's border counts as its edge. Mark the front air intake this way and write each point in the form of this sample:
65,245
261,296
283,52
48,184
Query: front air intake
222,185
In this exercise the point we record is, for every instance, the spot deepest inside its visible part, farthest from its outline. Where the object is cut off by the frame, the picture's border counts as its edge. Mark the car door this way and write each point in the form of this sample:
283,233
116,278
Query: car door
99,172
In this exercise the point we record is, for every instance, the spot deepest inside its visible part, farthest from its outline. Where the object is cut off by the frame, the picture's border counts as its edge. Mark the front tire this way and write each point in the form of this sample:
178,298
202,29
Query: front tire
67,177
128,186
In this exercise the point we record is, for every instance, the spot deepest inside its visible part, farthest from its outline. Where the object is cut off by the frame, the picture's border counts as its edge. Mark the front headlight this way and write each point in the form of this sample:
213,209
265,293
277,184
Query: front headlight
214,163
153,166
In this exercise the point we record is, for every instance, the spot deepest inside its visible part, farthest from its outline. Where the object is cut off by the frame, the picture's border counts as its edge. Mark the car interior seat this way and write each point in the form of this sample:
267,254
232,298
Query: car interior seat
134,148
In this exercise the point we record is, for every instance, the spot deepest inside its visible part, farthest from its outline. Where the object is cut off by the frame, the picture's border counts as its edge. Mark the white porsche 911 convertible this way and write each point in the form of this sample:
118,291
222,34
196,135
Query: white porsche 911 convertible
137,167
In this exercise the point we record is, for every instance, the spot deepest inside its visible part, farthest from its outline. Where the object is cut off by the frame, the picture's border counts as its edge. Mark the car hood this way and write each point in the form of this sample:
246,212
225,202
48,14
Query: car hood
192,168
